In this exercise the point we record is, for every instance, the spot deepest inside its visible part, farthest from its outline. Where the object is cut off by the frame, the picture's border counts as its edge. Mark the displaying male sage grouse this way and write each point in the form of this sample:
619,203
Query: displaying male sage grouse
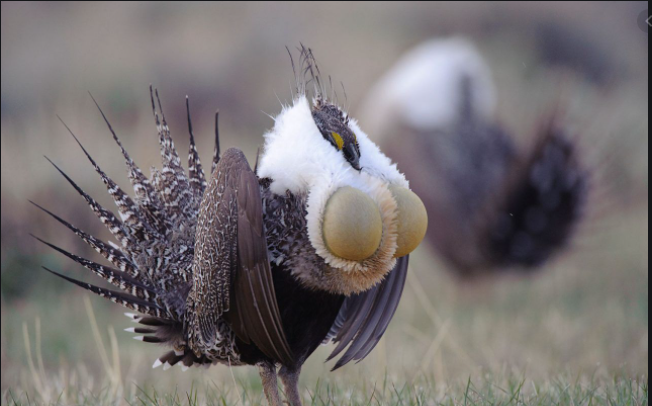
493,206
259,268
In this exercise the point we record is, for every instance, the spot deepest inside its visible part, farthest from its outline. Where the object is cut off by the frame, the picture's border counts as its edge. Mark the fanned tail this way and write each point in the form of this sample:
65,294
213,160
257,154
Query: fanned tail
195,170
155,230
113,255
178,198
157,330
145,195
130,213
107,217
126,300
115,277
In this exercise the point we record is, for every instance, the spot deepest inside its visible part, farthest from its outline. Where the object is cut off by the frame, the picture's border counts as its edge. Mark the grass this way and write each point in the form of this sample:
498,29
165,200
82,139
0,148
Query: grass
75,386
563,389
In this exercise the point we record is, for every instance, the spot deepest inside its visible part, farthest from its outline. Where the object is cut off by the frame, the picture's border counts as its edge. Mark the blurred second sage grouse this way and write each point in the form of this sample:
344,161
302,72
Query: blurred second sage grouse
260,267
493,206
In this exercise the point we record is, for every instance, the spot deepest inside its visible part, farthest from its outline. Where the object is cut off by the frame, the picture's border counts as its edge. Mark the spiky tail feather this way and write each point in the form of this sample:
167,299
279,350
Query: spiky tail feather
158,331
155,232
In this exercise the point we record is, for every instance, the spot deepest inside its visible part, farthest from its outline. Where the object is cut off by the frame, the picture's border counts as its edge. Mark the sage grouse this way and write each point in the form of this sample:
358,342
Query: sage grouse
259,268
493,206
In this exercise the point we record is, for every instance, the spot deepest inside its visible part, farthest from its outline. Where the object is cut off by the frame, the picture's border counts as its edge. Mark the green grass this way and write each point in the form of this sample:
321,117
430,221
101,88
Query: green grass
488,390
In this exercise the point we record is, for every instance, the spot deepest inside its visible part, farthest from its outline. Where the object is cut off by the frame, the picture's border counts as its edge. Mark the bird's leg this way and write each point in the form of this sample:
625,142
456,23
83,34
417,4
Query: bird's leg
290,379
268,376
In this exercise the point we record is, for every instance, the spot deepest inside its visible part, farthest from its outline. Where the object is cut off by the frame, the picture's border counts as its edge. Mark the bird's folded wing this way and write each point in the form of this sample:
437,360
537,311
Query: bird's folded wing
232,277
364,317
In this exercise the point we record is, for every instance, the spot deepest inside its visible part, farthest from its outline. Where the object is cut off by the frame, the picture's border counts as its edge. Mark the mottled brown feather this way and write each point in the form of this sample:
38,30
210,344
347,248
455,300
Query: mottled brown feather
231,271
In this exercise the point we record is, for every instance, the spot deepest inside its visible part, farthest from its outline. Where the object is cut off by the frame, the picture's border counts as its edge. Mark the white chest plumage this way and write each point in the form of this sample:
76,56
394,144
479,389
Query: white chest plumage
297,158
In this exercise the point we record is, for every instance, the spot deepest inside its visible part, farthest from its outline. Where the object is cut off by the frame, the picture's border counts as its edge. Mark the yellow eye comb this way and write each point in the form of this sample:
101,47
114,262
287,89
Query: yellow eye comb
338,140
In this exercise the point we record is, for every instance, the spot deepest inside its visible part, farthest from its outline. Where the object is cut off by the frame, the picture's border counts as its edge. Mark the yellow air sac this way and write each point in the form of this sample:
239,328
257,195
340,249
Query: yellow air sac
352,225
412,220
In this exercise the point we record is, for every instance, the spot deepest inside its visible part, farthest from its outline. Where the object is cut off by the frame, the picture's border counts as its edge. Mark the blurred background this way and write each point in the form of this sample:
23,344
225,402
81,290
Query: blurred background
584,314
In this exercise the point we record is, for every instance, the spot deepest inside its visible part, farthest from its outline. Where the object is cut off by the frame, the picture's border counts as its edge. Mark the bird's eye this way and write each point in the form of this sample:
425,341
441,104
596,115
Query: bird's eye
339,142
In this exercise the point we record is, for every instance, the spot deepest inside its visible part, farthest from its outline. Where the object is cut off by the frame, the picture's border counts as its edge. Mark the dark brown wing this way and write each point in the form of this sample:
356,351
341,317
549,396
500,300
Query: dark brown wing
254,315
364,317
232,278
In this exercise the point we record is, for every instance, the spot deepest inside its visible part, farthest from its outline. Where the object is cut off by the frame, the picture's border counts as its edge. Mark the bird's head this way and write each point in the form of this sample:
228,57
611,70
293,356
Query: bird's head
333,124
361,214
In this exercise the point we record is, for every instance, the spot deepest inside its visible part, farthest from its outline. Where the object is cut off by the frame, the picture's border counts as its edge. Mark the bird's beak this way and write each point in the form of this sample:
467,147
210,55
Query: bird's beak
353,156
